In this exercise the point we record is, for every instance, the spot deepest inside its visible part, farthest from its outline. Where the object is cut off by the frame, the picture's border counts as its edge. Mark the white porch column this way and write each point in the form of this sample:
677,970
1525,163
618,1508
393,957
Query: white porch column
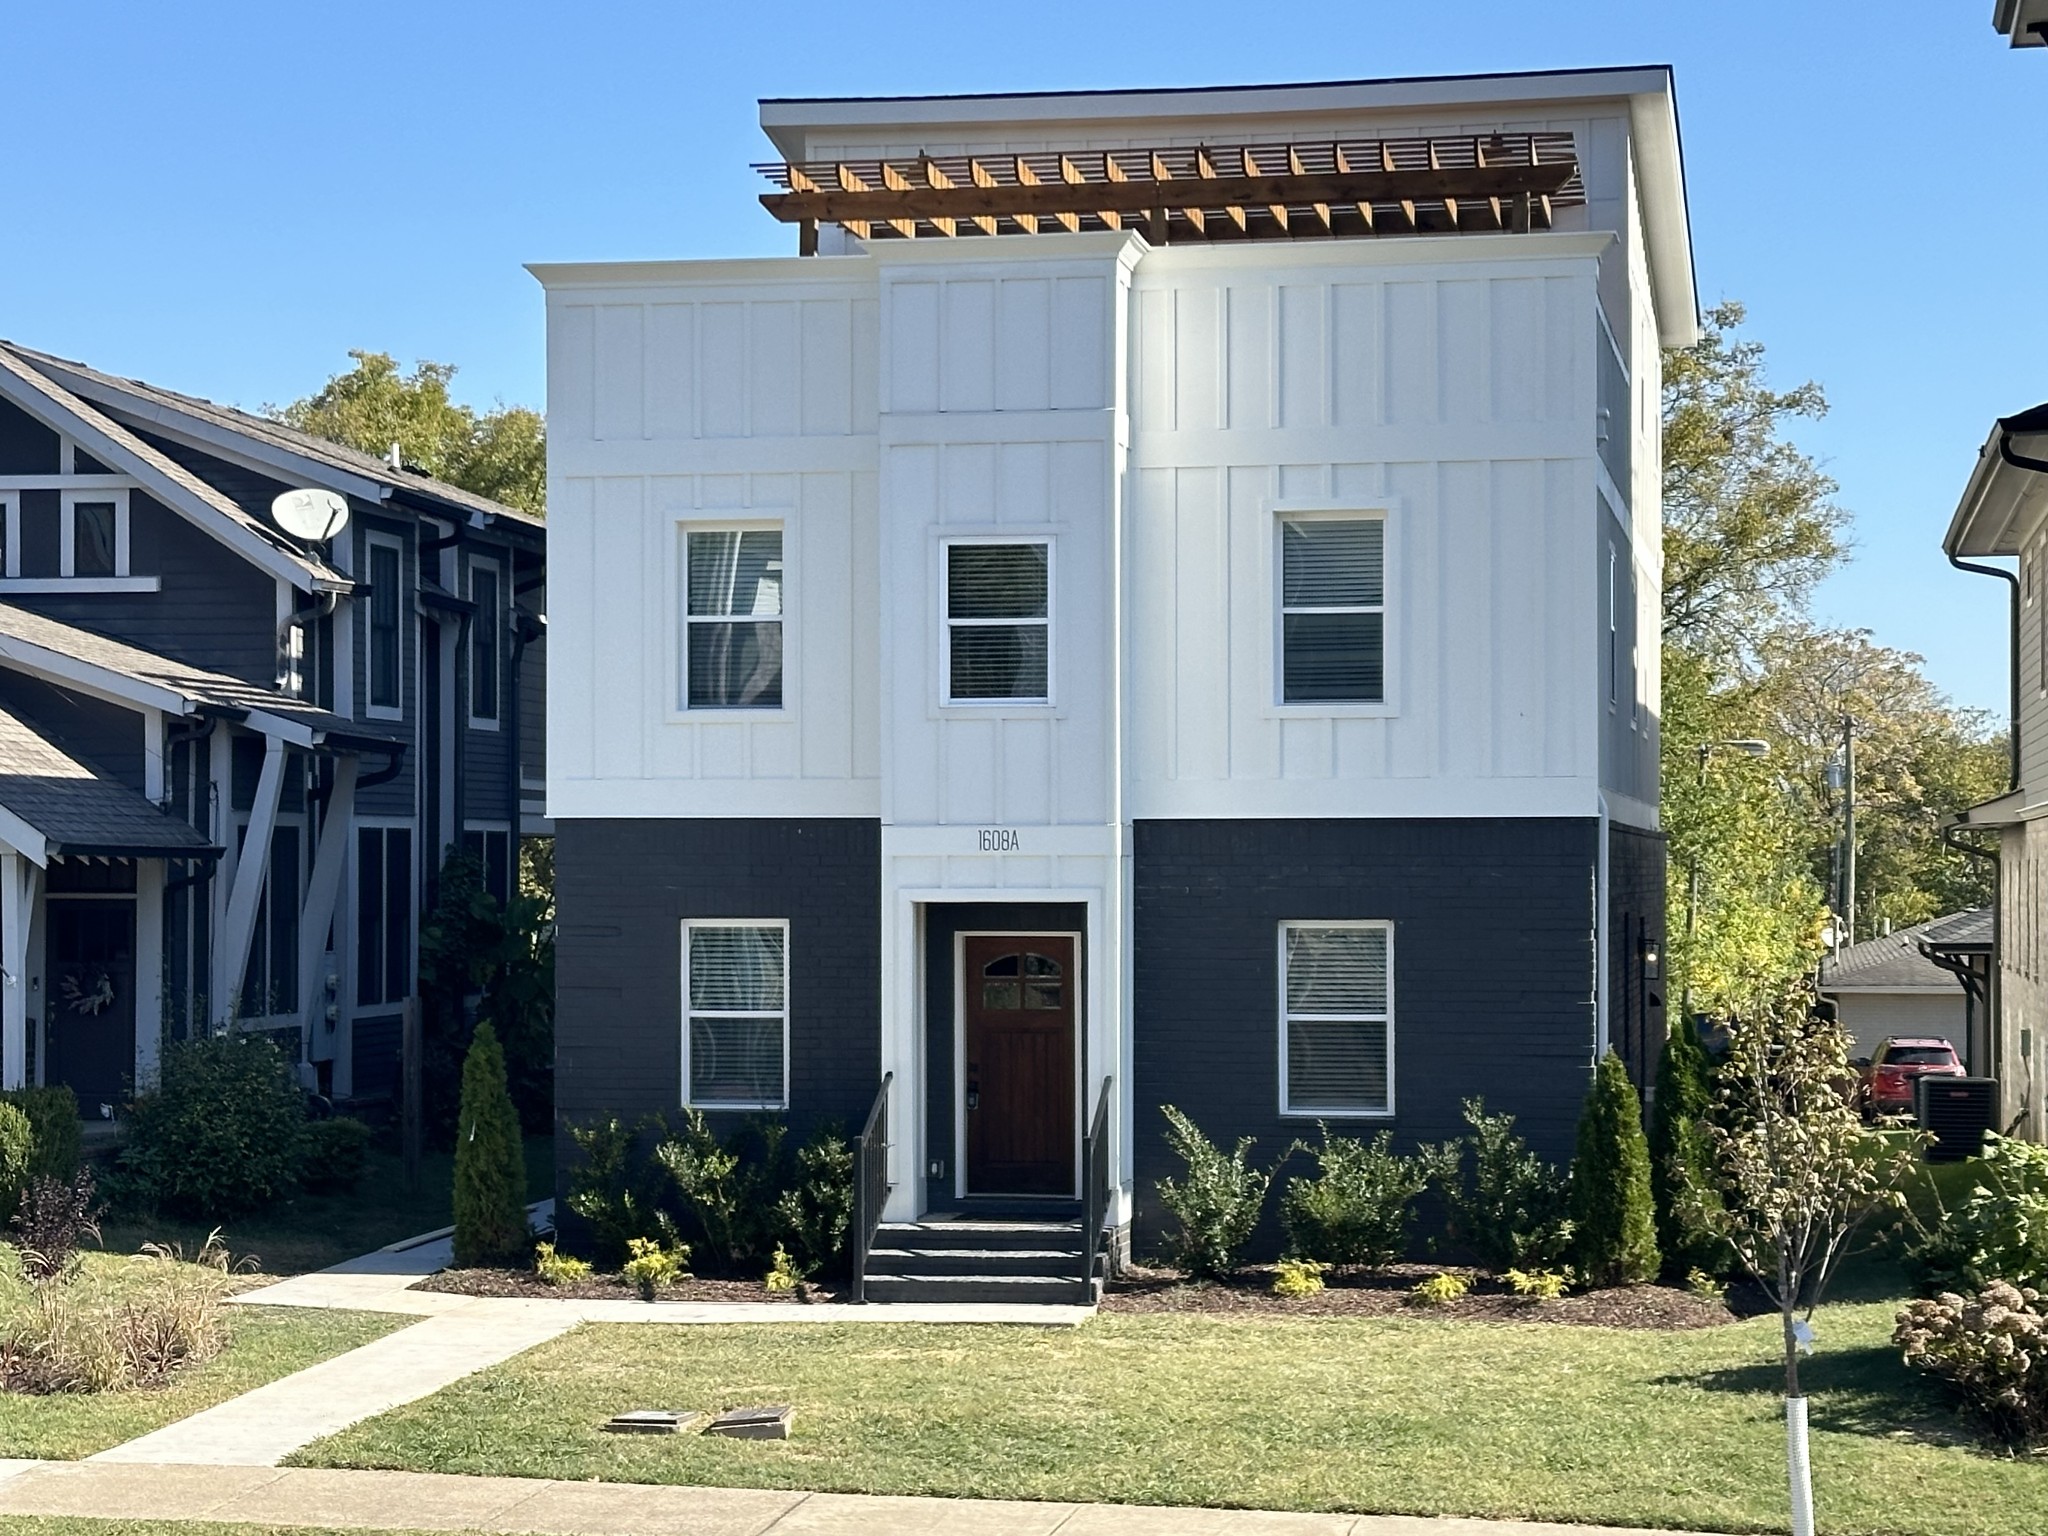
16,900
149,971
238,929
330,858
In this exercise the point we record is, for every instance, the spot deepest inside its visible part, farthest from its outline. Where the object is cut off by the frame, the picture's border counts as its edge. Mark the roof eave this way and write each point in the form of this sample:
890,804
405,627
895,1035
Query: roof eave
1667,218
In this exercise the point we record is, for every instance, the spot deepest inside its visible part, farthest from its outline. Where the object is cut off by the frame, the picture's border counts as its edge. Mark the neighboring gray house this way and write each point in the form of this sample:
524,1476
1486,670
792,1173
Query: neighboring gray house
181,680
1925,980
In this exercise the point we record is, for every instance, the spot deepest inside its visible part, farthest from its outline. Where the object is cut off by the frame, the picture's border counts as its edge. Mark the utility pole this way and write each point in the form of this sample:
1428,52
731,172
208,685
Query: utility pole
1847,903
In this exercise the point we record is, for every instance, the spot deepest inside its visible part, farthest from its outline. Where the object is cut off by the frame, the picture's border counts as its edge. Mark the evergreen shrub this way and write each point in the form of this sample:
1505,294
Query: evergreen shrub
1355,1211
1216,1206
53,1112
1504,1204
17,1159
1614,1224
490,1163
1683,1182
223,1133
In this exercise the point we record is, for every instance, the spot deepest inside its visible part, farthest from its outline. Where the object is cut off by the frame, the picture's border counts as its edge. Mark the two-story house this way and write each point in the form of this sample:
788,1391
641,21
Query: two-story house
231,755
1157,597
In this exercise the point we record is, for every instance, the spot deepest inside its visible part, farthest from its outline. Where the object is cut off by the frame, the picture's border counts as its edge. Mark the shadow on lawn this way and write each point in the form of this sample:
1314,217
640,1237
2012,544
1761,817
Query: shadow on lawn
1863,1391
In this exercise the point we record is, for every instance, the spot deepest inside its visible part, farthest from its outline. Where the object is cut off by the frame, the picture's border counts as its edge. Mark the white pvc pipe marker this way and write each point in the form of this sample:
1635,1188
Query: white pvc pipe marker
1801,1469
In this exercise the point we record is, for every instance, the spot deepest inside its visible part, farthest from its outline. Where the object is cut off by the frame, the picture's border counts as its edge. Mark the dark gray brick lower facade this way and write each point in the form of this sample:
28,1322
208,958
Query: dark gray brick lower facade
1635,949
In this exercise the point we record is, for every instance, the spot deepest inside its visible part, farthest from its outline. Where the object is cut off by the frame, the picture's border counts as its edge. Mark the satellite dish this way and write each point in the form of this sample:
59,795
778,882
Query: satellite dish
309,514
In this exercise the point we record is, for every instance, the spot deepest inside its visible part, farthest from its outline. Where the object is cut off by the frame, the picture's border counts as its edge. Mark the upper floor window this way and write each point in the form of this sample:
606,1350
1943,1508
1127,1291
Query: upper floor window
93,537
1333,610
387,637
486,641
732,618
1336,1018
998,622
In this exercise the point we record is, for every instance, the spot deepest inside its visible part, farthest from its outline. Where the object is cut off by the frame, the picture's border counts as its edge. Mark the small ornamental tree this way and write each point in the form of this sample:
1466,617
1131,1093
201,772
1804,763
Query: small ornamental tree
1803,1176
1614,1231
1682,1177
490,1164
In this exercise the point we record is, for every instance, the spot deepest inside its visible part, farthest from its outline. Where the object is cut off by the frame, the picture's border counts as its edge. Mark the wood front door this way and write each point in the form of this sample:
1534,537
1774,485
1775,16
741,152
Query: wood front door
1020,992
89,1006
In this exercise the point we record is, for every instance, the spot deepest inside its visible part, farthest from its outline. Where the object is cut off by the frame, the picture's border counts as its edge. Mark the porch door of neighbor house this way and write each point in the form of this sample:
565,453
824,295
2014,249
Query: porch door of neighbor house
89,1009
1019,1041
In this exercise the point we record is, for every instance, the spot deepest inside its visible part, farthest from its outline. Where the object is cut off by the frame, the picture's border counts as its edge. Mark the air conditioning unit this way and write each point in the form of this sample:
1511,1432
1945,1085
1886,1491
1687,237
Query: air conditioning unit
1956,1111
2024,21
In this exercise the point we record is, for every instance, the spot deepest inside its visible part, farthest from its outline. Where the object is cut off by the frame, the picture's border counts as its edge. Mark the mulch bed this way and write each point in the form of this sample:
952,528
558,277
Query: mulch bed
524,1284
1384,1293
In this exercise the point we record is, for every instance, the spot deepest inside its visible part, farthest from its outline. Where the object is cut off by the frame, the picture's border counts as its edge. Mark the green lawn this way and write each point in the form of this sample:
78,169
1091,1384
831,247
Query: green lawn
266,1343
1397,1416
309,1232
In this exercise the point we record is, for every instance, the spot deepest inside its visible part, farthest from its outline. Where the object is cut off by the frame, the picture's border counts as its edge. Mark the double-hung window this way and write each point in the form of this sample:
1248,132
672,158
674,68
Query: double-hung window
486,642
736,1015
1333,610
998,622
387,636
1337,1018
732,618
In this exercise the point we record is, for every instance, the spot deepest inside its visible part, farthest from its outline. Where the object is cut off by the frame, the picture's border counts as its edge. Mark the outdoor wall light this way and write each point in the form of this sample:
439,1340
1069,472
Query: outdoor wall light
1653,962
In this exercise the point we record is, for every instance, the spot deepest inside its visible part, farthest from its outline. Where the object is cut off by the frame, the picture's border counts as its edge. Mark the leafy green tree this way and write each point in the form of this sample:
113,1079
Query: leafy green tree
1682,1177
1614,1230
490,1163
500,453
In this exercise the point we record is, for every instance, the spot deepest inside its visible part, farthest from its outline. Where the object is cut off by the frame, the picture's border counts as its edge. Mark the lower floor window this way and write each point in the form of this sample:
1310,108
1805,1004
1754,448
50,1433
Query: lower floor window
491,847
1336,1019
383,914
736,1014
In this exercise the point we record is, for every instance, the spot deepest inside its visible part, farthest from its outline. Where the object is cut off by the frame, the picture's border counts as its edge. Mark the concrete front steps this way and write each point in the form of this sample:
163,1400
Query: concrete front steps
972,1260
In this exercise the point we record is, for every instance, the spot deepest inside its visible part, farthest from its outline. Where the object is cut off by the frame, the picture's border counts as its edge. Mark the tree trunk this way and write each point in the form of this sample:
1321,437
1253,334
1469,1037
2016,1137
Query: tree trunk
1798,1469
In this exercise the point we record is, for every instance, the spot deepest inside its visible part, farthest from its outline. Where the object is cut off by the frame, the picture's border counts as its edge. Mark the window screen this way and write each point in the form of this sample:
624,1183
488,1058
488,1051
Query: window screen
1333,610
736,998
1336,1029
732,627
999,623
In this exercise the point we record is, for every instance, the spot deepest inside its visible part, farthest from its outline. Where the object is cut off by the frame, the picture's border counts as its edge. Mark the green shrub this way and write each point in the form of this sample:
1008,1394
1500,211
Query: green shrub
1999,1232
1438,1290
17,1159
730,1188
1355,1211
1992,1350
490,1164
649,1266
1705,1286
816,1210
53,1111
558,1268
1539,1285
221,1135
1217,1205
337,1155
783,1275
1683,1183
1298,1277
1614,1221
1504,1204
614,1190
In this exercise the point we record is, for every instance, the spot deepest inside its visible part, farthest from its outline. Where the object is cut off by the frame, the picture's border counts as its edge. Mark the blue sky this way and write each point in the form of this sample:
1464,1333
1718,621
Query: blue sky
226,198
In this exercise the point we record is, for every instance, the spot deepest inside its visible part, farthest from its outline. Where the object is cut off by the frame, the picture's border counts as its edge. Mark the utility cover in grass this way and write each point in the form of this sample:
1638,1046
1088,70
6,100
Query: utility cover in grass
651,1421
770,1423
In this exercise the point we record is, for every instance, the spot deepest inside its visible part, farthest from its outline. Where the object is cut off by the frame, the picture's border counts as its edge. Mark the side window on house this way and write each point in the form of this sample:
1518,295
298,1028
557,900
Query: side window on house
491,847
998,623
387,609
93,536
1336,1019
732,618
1333,610
383,914
736,1015
486,642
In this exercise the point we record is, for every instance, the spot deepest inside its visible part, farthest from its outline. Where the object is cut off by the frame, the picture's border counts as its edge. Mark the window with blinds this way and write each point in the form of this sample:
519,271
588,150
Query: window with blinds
998,629
1337,1019
1333,610
732,618
736,1015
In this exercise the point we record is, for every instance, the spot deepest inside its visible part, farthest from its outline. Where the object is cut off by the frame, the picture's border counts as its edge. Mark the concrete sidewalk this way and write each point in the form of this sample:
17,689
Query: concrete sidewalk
534,1507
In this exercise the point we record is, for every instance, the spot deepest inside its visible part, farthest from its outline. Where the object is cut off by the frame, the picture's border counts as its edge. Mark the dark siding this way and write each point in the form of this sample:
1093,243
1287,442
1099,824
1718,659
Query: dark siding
533,697
249,490
1493,973
27,447
941,922
622,889
1635,928
103,736
41,533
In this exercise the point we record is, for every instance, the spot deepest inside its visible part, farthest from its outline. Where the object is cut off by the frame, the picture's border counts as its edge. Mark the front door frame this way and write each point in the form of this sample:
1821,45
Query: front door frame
1080,993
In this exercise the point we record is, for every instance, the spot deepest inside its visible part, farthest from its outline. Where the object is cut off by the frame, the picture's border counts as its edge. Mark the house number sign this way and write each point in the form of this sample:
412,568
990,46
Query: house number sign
998,840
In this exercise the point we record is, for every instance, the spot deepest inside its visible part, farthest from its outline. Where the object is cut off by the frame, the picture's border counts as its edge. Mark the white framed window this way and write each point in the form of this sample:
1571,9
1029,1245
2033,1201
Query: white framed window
732,653
1333,608
736,1014
383,911
93,536
996,620
1337,1019
486,643
490,844
10,533
385,656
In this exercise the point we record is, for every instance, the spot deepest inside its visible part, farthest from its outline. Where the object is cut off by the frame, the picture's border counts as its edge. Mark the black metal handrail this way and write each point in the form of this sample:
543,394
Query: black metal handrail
870,1185
1095,1191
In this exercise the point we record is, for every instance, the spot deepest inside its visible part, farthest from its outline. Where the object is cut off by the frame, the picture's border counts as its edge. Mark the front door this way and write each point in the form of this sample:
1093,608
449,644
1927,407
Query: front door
89,1008
1019,1054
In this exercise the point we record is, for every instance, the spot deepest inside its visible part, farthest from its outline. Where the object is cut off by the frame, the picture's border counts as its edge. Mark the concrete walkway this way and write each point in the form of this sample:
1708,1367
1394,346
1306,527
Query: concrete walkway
533,1507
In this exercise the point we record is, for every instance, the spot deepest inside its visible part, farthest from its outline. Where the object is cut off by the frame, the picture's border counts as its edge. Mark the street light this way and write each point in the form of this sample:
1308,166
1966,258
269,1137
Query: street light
1748,746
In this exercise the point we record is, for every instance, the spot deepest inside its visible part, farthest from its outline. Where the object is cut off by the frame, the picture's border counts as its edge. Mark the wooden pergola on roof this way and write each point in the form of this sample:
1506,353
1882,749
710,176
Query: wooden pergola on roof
1341,189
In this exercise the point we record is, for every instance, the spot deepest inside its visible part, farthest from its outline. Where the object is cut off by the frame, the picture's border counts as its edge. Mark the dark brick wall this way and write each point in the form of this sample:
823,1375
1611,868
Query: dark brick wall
1635,927
622,890
1493,973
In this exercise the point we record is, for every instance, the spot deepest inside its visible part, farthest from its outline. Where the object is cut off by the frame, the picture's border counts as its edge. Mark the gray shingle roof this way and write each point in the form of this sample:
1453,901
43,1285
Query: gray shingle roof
77,811
1964,930
1893,962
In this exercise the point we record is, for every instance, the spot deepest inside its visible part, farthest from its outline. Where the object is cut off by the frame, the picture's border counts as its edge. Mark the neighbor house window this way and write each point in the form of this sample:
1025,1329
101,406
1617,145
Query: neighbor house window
94,534
486,642
387,613
732,618
736,1007
998,628
10,533
1336,1019
491,847
383,914
1333,610
270,982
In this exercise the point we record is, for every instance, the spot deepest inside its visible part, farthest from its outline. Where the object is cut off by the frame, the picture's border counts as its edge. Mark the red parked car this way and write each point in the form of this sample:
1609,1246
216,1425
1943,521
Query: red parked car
1896,1064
